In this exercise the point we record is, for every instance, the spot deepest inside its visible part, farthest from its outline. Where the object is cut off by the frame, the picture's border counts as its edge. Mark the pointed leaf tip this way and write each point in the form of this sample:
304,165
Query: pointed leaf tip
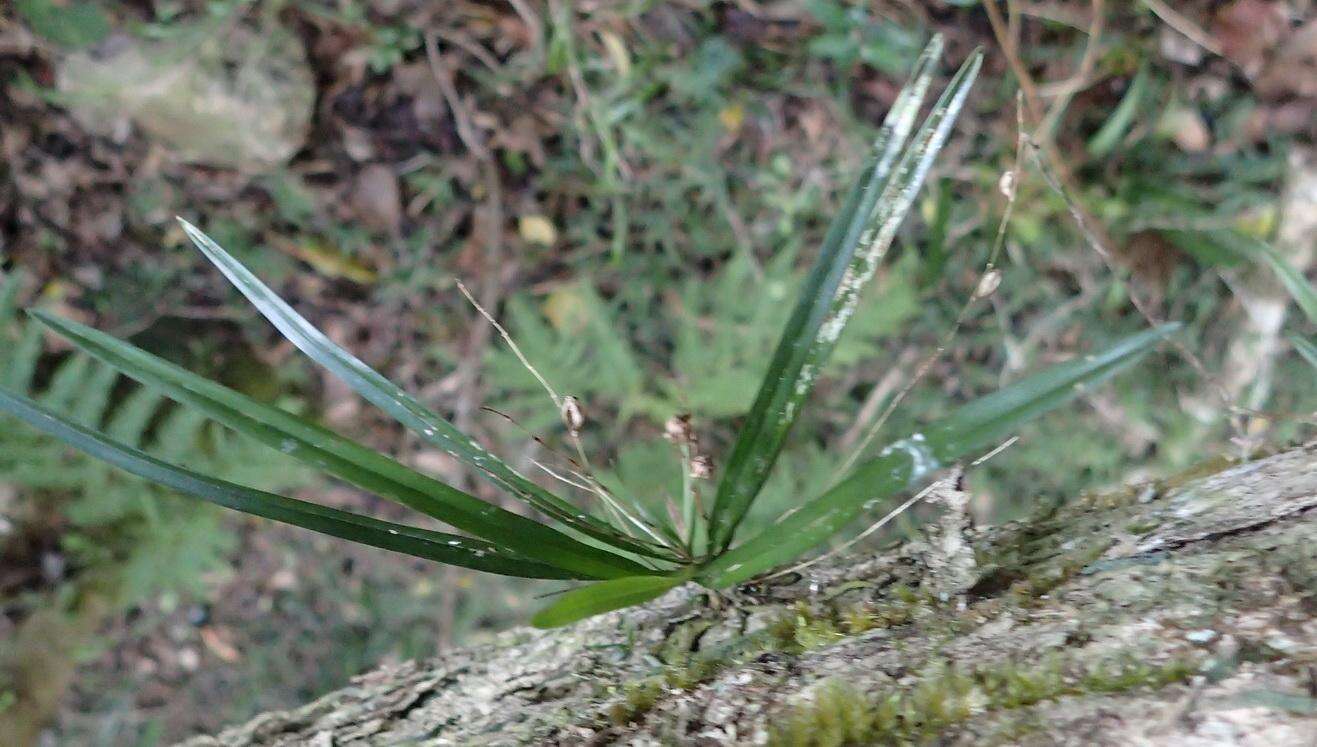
853,247
402,407
605,596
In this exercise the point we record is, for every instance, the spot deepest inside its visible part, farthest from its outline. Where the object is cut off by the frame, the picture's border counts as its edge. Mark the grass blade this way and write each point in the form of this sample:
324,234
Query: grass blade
1306,349
764,430
402,407
974,426
1109,135
345,459
438,546
1232,246
1298,286
604,596
853,248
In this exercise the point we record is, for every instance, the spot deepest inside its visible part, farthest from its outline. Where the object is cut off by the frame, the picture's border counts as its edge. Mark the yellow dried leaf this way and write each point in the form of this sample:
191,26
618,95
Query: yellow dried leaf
327,260
732,117
616,50
566,310
537,229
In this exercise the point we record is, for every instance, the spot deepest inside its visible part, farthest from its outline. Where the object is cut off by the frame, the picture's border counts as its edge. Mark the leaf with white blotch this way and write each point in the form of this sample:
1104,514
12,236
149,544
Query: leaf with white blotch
854,246
422,543
903,463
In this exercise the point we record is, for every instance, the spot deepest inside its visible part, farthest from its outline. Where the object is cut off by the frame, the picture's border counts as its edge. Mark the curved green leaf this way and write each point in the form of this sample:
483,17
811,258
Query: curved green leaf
852,249
1298,286
1306,349
401,406
1228,247
977,425
604,596
422,543
345,459
1109,135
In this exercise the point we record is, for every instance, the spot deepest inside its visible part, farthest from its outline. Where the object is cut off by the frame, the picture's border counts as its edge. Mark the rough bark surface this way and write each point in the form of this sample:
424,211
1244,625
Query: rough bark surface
1175,613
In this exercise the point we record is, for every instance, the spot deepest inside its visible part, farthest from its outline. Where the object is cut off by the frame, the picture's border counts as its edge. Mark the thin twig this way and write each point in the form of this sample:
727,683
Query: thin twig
1186,27
461,117
534,26
532,436
1075,83
1003,446
1008,44
472,47
627,517
516,350
592,485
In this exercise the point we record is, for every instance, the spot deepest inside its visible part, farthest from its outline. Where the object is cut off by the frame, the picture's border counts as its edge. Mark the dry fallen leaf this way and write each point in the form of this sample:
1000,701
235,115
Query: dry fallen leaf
376,199
566,310
537,229
219,642
1186,128
732,117
617,52
1248,29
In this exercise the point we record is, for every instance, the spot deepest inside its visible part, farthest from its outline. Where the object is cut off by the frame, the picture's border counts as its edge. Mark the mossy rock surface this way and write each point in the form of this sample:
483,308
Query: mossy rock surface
1183,613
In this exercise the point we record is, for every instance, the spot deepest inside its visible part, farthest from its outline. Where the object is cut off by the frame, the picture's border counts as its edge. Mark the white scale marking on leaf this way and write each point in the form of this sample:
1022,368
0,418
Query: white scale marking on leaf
889,212
922,461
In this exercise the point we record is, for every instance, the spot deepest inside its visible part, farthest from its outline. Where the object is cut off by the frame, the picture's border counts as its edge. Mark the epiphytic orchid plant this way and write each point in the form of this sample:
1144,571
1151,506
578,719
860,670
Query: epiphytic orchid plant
628,557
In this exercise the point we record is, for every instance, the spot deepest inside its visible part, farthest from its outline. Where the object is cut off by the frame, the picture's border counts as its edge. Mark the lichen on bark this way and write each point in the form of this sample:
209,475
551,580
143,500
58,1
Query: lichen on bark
1178,613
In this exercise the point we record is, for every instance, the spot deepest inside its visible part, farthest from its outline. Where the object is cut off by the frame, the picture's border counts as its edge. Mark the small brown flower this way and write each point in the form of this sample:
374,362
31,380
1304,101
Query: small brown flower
1007,184
678,429
572,415
988,283
701,467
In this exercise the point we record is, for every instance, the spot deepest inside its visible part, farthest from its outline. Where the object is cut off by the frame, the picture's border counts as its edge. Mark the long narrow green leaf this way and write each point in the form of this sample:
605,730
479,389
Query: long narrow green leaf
1306,348
402,407
1108,136
853,248
1300,289
903,463
604,596
438,546
345,459
755,440
1234,244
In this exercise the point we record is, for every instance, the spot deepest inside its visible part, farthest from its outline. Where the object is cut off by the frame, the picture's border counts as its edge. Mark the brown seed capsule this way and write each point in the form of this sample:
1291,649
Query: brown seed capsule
678,429
572,415
988,284
1007,184
701,467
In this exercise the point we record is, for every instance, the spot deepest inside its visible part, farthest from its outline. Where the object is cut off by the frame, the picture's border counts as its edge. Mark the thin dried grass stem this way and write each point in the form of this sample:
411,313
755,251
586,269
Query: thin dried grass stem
516,350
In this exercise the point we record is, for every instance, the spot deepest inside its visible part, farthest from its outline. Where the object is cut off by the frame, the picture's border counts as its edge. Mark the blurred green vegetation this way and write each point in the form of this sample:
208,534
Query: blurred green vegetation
686,158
